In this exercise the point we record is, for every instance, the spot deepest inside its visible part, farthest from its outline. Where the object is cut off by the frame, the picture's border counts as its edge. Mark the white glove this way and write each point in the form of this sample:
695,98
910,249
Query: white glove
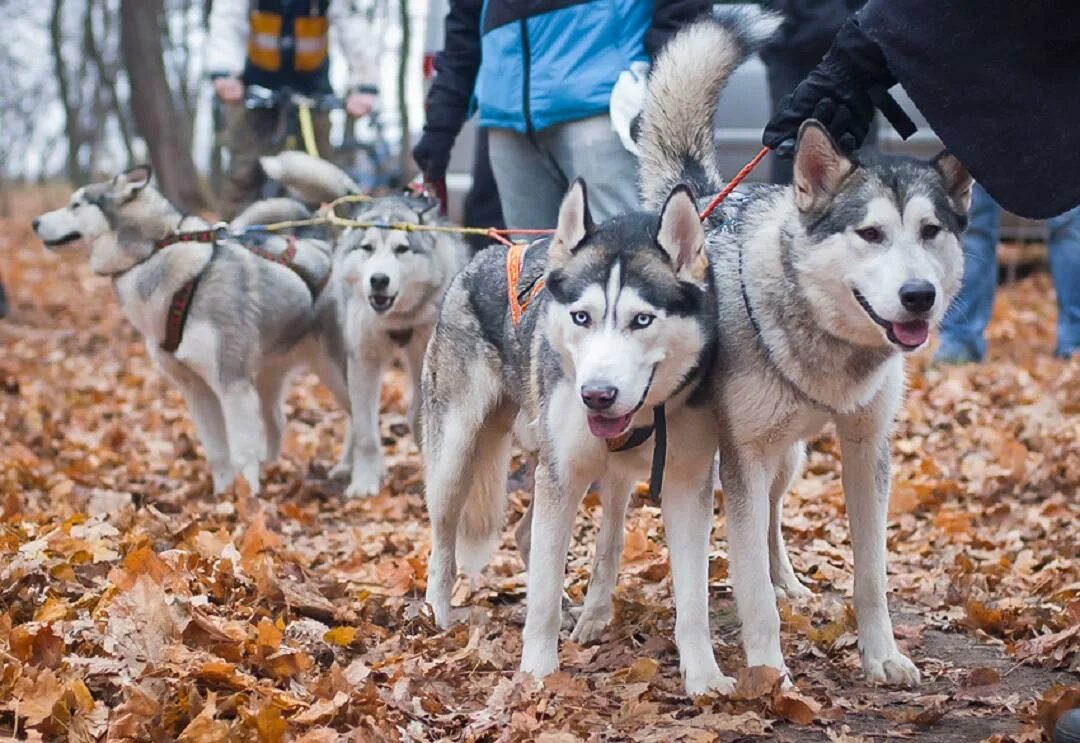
627,102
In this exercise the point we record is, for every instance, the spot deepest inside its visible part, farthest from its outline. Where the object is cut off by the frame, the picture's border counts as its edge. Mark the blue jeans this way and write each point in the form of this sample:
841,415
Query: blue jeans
965,323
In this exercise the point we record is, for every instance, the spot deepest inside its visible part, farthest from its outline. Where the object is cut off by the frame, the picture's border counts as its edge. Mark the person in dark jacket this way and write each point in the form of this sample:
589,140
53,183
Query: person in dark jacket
997,80
802,40
540,75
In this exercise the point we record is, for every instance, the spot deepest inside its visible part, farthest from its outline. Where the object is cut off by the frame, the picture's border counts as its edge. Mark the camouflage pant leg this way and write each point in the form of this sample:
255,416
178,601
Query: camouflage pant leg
251,135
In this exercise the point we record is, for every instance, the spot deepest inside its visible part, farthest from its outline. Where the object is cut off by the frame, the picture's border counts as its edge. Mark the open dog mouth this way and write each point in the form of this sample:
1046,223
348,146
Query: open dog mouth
68,238
607,427
381,302
909,334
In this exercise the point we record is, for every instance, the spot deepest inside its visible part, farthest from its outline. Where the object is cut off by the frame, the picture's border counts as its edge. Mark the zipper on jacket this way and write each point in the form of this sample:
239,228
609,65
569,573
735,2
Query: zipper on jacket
526,111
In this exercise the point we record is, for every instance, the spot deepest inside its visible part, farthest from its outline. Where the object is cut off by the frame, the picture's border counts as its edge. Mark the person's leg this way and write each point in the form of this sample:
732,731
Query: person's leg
482,208
320,122
965,322
250,136
591,150
530,186
1063,246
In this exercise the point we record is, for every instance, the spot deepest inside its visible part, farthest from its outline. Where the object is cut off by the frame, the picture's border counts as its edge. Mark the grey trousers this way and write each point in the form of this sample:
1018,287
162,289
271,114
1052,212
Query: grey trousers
534,175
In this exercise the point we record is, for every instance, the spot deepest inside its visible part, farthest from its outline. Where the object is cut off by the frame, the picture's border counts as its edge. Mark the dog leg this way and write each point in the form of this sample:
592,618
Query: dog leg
785,582
365,379
242,408
597,612
746,491
555,505
210,427
333,375
866,479
272,384
688,518
414,364
523,533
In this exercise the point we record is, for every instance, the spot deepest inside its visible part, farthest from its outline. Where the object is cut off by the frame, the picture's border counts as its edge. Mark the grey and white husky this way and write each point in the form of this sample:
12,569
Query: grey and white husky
248,321
821,288
383,296
625,324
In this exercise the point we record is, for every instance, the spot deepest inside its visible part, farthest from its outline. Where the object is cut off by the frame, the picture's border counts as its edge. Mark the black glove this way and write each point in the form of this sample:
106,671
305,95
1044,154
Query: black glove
432,154
837,93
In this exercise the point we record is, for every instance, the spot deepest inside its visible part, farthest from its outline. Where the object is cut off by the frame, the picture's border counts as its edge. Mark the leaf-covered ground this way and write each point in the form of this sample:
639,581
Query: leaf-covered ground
135,605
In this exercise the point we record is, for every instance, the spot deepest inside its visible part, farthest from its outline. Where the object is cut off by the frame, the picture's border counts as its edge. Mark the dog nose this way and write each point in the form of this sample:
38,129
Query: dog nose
379,281
598,397
35,224
917,295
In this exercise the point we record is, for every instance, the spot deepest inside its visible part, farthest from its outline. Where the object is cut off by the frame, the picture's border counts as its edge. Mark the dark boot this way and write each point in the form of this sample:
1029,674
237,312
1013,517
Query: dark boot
1068,727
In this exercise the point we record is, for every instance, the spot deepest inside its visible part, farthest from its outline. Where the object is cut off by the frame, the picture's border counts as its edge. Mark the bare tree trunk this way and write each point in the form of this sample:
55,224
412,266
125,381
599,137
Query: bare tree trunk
156,117
108,80
405,156
72,129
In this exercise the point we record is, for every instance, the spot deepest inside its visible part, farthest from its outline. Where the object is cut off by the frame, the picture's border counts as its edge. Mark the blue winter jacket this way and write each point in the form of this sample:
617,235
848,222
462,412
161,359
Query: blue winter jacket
527,65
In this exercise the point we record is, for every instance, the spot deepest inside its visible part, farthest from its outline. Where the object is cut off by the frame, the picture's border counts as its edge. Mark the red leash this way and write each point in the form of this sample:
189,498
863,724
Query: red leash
733,183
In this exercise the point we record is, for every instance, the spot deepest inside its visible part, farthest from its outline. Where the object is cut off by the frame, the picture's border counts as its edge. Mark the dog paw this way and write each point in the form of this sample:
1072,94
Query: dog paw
341,471
791,589
589,629
362,489
896,669
539,664
709,681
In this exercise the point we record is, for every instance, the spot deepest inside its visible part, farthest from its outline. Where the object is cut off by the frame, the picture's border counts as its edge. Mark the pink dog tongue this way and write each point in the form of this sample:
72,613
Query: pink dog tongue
608,428
911,333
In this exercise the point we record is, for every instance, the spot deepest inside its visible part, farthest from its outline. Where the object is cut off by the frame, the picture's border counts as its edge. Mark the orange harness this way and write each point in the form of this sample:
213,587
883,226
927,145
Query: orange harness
515,256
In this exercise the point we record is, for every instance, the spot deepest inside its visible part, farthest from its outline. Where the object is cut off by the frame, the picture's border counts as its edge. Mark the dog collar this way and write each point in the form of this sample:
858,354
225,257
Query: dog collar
635,437
197,236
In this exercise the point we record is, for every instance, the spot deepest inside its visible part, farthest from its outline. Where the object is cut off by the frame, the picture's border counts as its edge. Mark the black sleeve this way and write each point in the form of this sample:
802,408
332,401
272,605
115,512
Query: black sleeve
455,68
668,17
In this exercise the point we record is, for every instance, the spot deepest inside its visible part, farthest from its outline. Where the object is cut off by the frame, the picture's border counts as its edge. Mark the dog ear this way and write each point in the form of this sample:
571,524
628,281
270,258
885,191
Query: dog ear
957,179
681,235
133,180
820,167
574,225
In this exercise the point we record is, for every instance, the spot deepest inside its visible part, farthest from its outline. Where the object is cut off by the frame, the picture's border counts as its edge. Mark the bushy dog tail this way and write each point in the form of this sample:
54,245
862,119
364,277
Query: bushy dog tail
484,513
311,179
267,211
677,138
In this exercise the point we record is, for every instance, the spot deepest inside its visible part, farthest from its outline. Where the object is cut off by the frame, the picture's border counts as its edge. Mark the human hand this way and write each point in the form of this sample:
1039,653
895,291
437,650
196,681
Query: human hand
229,89
360,104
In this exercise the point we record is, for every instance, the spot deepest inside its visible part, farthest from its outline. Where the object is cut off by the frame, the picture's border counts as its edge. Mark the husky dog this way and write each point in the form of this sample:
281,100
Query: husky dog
247,319
624,326
821,288
384,295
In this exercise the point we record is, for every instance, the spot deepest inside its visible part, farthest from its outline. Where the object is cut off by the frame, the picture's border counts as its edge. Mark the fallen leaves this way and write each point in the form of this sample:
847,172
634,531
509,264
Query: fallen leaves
135,605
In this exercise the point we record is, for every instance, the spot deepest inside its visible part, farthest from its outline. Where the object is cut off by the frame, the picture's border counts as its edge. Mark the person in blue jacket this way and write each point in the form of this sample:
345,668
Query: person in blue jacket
540,75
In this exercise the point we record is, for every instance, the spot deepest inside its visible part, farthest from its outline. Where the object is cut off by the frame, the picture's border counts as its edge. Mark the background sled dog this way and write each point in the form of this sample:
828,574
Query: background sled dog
821,288
624,324
383,296
239,334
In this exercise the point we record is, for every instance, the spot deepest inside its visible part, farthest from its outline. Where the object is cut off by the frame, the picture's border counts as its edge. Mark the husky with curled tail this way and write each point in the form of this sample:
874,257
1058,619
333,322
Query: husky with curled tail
821,287
587,344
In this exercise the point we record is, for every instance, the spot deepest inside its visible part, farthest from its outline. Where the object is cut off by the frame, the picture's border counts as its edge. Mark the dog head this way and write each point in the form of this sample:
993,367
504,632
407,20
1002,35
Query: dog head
629,302
882,258
115,218
392,270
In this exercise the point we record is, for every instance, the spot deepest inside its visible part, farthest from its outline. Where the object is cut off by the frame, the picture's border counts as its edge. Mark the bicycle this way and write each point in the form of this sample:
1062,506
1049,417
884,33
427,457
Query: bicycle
367,159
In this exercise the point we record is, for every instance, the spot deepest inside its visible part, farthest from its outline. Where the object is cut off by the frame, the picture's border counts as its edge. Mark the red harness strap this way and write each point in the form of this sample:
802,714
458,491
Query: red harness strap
180,304
515,256
287,258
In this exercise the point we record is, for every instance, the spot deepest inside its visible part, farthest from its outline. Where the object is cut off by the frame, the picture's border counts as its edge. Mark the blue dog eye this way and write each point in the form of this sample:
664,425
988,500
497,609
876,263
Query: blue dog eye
580,318
642,320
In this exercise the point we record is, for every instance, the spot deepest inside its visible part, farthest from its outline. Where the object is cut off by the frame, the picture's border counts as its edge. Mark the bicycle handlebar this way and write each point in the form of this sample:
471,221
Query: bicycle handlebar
259,97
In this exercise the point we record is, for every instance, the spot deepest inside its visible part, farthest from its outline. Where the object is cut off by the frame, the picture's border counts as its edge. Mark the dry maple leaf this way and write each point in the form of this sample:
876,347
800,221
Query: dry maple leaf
35,698
143,622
